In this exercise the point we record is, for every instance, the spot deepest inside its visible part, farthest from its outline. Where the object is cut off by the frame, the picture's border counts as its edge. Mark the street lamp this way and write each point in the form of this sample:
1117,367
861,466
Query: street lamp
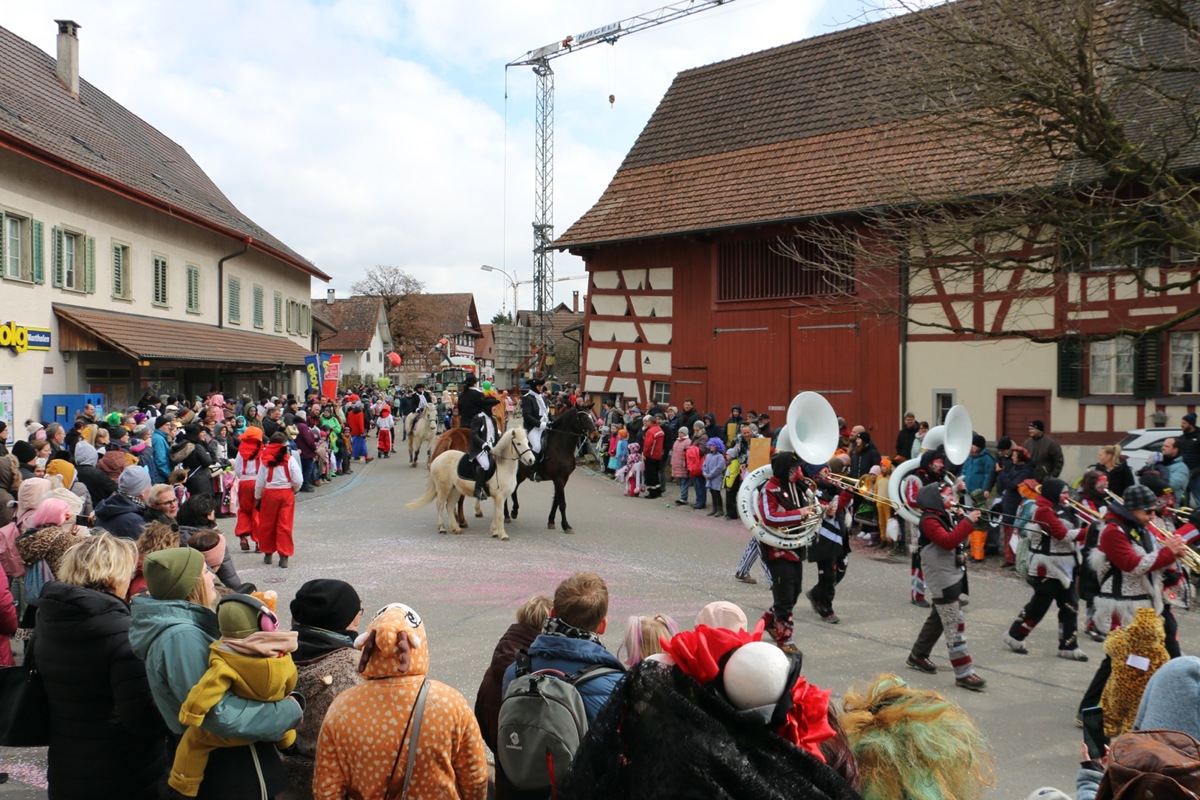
512,281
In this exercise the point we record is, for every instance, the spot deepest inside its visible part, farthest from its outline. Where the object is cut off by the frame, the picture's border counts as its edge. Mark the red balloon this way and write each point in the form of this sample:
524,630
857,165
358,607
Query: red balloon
443,342
394,358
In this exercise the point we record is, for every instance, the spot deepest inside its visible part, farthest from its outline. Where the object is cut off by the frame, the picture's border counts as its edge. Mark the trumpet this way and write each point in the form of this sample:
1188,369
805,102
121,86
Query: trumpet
1181,512
860,487
1189,558
1086,515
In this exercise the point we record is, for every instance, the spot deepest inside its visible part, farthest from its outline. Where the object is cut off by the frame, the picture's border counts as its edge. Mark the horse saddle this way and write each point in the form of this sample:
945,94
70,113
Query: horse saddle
466,467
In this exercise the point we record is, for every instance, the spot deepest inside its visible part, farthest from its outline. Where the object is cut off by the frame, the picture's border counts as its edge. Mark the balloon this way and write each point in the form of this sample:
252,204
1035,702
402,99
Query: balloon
443,342
383,382
486,386
394,359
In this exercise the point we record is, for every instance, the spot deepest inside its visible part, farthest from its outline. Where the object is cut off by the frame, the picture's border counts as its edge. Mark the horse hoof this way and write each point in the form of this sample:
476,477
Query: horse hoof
550,527
507,520
442,531
568,530
457,532
501,536
478,515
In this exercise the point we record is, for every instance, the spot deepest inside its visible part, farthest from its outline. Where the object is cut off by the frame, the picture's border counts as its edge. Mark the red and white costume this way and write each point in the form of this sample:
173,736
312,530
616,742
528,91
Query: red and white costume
276,486
245,469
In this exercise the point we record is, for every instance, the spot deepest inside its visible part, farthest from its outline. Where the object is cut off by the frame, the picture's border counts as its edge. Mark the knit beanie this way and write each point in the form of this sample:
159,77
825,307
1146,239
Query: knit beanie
238,616
1052,489
978,440
172,574
24,451
1138,497
85,454
134,481
60,466
326,603
1171,700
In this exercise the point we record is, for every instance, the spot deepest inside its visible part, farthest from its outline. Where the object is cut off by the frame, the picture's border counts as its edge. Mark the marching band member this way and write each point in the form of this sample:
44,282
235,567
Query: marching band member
941,549
1129,561
1093,495
1054,534
781,505
931,471
830,551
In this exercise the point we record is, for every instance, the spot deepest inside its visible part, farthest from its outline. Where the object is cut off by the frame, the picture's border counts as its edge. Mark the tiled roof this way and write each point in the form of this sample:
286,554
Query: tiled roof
355,319
149,338
99,140
452,313
812,128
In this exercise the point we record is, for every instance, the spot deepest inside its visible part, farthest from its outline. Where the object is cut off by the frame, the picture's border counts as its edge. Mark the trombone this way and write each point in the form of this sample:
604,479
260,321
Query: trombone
1189,558
859,487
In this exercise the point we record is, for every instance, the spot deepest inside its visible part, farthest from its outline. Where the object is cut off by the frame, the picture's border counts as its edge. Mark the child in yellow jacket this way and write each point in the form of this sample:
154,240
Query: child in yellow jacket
253,660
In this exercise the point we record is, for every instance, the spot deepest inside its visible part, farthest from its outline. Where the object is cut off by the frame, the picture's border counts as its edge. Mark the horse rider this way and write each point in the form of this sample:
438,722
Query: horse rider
483,438
535,416
422,401
470,400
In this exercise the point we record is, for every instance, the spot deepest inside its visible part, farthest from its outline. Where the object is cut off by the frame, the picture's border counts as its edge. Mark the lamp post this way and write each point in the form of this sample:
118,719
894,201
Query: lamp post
512,281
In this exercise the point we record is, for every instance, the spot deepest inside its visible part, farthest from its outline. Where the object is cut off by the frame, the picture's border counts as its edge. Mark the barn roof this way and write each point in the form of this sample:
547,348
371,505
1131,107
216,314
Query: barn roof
355,318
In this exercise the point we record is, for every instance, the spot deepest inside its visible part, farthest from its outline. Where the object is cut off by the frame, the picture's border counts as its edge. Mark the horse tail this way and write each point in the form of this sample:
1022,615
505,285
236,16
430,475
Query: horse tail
425,499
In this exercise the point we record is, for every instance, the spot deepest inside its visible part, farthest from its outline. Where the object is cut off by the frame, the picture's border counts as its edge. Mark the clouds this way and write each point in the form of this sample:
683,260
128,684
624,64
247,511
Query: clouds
364,132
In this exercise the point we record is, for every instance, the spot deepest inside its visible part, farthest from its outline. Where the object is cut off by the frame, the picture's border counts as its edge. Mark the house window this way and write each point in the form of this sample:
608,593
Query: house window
71,253
193,289
943,401
161,277
368,355
13,247
1110,367
660,393
258,306
235,300
1185,363
278,312
756,270
120,264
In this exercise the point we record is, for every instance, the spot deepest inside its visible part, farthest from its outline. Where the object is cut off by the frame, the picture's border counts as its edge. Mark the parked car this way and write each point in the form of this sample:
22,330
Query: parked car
1142,443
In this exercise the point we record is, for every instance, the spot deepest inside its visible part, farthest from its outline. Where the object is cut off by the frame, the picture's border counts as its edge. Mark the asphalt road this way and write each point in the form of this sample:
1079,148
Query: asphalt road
659,558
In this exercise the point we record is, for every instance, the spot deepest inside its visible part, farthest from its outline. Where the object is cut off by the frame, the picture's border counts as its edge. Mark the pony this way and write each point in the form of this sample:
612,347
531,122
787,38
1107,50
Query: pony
445,486
424,433
560,441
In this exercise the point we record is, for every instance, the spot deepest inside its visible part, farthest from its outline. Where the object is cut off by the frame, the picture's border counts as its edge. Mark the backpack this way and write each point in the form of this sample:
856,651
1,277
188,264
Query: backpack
1024,523
1158,764
542,722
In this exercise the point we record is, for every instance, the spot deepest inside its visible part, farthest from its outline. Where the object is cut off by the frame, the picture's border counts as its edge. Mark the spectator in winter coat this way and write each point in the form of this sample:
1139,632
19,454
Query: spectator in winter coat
160,443
863,455
10,482
8,623
1045,453
700,436
306,441
679,463
1173,470
192,453
124,513
531,616
713,473
653,450
1111,463
98,484
694,456
365,724
107,738
979,472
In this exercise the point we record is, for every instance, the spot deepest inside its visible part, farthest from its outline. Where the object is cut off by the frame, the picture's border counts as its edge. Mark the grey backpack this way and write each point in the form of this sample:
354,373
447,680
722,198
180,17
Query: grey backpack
542,722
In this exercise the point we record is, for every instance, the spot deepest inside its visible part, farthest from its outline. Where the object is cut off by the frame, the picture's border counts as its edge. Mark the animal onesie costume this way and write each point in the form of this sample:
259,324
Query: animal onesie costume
253,661
366,730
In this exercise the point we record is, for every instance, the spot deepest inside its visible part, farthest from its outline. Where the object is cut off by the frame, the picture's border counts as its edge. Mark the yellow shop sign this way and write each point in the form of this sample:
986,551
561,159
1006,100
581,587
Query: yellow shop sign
21,338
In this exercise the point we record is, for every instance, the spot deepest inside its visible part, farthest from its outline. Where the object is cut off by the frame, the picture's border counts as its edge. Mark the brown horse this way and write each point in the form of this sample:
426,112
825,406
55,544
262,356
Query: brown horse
560,441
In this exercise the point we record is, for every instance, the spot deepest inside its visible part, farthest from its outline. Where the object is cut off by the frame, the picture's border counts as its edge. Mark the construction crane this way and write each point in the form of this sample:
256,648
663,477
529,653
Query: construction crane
539,59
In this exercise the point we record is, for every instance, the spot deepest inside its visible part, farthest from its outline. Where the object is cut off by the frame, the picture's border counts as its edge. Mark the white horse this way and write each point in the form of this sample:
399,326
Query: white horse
445,486
424,434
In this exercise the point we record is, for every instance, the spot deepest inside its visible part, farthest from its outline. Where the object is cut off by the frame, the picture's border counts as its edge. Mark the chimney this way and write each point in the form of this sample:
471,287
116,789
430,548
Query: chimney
575,302
329,295
68,55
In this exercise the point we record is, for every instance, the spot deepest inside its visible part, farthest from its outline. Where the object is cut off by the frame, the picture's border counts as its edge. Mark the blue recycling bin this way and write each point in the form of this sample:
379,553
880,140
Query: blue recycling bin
63,408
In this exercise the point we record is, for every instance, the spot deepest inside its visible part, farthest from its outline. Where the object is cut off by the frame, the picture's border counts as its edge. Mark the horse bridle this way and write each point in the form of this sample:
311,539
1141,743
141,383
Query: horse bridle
520,454
578,435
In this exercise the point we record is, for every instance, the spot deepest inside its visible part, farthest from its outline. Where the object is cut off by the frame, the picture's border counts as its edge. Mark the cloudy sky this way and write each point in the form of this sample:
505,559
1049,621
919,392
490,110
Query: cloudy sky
366,132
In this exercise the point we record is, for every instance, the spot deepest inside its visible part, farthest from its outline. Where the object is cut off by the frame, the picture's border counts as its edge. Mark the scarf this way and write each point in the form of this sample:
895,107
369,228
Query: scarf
317,642
556,627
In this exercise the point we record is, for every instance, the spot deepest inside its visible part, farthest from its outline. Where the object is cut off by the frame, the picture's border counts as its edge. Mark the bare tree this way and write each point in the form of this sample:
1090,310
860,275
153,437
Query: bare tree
1057,139
414,330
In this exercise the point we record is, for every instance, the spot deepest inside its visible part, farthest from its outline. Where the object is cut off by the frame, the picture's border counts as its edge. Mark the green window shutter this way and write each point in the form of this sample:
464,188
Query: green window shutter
3,239
118,287
39,234
89,265
58,256
235,300
1147,366
1070,367
278,312
258,306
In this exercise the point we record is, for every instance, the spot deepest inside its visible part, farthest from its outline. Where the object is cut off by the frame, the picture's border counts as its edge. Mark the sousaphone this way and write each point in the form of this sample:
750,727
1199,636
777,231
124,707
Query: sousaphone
811,432
954,436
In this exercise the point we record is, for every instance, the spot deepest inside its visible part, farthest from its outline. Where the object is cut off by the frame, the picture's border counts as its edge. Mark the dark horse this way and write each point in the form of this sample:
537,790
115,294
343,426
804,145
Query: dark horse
560,441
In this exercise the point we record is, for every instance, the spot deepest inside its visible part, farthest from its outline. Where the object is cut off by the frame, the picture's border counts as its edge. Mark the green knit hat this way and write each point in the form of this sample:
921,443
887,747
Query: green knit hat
238,615
172,574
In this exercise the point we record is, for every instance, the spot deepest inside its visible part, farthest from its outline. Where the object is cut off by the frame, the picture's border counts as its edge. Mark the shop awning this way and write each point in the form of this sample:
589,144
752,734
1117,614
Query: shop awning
152,339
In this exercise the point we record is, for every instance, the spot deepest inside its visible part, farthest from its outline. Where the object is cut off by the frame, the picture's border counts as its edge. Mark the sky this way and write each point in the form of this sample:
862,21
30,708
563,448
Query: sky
368,132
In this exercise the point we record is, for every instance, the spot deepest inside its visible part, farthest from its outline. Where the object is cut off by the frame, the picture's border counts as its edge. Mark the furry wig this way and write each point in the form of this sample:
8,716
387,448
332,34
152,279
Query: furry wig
914,744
